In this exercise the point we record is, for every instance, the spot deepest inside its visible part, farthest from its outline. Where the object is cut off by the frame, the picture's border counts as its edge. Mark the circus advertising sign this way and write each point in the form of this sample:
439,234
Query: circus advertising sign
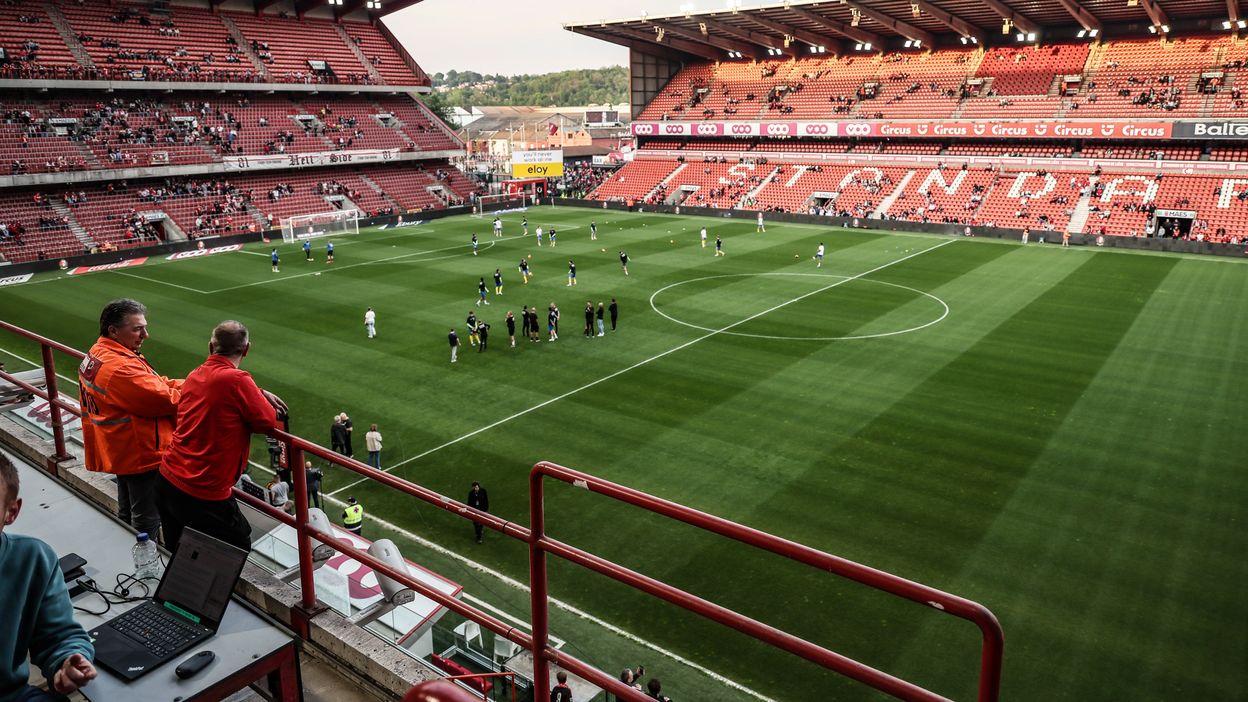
912,129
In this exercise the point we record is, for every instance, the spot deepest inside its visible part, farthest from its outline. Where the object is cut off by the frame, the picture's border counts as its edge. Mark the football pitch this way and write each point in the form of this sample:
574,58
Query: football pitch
1052,433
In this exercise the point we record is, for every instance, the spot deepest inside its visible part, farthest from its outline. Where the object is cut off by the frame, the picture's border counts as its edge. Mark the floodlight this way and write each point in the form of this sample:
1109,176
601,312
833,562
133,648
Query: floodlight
1021,37
1152,29
1241,24
963,39
1094,32
1031,36
1165,29
1082,33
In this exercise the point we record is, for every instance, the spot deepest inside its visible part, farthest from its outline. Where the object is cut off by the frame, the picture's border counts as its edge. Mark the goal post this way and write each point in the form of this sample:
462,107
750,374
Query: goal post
314,226
490,203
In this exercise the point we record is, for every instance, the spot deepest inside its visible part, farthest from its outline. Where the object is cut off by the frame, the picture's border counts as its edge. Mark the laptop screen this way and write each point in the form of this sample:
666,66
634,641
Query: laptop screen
200,578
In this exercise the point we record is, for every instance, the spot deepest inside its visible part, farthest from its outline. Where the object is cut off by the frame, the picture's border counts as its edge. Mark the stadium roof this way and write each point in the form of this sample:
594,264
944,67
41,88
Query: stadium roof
752,31
346,8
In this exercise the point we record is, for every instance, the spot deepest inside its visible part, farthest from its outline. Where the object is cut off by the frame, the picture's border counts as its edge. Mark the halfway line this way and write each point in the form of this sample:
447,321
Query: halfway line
639,364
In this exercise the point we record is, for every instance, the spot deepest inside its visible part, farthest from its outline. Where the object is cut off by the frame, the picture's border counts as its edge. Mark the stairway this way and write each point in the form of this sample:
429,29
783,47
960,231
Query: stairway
437,121
749,197
80,233
244,45
88,156
259,216
1079,219
887,202
395,123
664,182
359,54
377,188
68,35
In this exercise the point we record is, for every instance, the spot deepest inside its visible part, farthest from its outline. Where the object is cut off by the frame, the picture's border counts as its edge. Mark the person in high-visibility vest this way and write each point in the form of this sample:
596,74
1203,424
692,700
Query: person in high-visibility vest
353,517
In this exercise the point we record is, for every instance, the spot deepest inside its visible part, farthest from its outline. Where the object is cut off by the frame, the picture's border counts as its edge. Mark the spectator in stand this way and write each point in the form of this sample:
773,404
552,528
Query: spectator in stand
130,411
221,406
654,689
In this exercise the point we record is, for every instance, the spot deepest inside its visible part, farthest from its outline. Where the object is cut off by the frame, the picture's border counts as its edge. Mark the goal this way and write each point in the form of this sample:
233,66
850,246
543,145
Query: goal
312,226
490,203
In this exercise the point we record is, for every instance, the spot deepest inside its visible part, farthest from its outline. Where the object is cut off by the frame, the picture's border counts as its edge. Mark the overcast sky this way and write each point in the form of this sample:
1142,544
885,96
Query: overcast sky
510,37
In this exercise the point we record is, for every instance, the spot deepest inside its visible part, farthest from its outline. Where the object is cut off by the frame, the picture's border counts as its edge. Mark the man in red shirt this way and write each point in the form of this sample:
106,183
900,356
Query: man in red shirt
220,408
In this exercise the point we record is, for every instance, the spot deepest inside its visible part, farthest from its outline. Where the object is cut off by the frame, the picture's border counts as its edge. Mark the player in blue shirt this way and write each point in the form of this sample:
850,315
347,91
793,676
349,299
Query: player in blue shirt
275,259
329,252
307,250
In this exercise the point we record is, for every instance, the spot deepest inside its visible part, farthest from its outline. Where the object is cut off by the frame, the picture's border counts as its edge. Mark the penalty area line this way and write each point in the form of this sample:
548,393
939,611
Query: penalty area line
647,361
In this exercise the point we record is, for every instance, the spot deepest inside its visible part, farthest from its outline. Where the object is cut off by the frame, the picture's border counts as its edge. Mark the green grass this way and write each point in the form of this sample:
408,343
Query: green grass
1061,446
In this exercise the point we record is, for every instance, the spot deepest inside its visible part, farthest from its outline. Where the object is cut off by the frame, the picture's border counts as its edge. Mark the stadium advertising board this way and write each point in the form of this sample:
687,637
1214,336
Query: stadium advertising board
196,253
537,164
16,279
128,263
1211,129
326,158
920,130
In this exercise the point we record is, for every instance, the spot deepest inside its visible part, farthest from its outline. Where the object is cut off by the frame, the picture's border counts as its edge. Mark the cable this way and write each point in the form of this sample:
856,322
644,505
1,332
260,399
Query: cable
120,594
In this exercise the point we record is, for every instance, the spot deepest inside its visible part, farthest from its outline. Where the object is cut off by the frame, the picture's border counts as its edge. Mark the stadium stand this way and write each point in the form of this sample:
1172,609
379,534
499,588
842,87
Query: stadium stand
67,220
125,130
130,41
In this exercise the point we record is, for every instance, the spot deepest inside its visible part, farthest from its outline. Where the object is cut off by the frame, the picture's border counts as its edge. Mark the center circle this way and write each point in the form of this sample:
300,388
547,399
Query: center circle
944,308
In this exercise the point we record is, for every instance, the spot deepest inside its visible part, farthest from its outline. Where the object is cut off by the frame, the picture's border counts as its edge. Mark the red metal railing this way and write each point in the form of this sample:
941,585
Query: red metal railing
540,545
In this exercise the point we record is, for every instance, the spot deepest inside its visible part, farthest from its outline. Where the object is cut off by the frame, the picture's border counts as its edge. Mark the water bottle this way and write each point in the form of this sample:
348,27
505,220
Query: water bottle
146,557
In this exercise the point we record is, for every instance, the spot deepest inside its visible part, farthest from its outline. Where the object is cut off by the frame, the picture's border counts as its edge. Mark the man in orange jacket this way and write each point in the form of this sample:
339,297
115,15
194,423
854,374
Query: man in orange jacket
129,412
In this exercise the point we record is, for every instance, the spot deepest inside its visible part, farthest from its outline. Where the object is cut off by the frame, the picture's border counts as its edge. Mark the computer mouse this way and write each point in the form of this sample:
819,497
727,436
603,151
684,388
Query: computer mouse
194,664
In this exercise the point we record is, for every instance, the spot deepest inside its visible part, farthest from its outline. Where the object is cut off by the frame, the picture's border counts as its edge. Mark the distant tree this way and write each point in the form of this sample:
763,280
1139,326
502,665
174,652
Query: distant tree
575,87
439,105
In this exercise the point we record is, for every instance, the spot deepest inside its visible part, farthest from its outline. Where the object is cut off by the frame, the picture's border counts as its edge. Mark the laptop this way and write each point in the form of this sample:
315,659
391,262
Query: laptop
187,609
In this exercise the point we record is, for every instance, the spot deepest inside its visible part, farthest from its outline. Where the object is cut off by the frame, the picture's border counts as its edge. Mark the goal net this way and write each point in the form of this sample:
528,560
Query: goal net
490,203
312,226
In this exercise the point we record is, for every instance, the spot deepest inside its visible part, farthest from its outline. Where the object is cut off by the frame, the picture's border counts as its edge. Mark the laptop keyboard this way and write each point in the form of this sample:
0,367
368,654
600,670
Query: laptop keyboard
161,633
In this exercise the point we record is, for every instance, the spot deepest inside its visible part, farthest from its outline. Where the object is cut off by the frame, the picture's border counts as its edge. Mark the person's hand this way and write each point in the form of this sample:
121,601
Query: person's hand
275,401
74,673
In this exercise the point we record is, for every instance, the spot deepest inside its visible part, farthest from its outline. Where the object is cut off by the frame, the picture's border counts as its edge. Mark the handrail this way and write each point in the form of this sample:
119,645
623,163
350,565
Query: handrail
473,676
993,638
992,648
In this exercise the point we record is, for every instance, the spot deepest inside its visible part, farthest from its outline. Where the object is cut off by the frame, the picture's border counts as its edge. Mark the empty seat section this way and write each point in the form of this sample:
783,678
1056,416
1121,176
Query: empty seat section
635,180
31,42
1147,78
1031,70
129,41
382,55
292,43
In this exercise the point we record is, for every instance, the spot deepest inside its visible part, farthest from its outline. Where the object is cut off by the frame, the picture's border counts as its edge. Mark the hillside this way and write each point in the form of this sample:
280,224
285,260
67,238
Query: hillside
576,87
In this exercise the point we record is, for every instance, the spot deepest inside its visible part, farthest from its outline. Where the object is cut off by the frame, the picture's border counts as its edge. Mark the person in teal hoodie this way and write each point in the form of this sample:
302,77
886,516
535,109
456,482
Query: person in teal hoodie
37,617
